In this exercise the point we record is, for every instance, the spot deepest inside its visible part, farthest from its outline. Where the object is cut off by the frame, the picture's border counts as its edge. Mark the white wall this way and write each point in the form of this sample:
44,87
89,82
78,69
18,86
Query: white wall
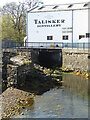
39,34
80,26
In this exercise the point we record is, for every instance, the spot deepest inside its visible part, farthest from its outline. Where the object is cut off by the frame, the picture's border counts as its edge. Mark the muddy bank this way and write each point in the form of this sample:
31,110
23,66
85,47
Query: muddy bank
14,100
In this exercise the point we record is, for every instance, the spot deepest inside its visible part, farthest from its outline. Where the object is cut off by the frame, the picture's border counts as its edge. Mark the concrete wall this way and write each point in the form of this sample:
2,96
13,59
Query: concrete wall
76,59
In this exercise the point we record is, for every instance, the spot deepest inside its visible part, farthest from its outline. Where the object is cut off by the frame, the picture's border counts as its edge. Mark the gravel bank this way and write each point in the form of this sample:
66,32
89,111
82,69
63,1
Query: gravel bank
14,100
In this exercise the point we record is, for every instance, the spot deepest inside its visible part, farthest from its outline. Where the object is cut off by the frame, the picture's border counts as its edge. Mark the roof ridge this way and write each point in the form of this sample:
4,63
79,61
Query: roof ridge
83,5
66,4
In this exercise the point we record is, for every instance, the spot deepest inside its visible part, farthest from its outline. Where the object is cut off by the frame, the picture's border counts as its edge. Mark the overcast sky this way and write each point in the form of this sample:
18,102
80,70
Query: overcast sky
3,2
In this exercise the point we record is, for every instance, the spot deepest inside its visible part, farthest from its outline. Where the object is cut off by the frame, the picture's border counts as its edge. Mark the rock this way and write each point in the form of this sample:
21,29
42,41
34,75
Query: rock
22,113
56,72
57,80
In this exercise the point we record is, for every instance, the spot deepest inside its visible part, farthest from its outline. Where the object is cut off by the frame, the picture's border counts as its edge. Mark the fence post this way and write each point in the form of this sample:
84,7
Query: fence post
83,45
72,45
62,44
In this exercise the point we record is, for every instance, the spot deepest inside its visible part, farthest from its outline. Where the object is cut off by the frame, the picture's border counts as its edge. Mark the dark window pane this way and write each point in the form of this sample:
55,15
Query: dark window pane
65,37
49,37
87,35
81,36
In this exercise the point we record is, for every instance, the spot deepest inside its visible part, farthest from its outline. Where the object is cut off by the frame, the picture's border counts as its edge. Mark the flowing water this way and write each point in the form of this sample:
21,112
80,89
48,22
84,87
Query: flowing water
68,101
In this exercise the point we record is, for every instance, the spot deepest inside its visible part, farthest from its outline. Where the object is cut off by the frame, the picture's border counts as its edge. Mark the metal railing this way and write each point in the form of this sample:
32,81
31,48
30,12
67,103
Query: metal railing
56,45
46,45
12,44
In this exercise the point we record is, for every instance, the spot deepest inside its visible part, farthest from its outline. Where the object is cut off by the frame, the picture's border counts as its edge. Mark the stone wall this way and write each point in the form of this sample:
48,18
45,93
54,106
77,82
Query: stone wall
6,55
76,59
16,75
16,65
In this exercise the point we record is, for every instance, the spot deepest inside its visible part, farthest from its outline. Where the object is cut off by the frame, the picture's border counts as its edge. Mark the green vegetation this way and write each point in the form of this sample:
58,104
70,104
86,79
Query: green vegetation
13,20
8,32
27,62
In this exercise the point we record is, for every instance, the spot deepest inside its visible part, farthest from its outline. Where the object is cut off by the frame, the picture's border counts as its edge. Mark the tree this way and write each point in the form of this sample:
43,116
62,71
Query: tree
14,19
15,14
0,25
32,3
8,32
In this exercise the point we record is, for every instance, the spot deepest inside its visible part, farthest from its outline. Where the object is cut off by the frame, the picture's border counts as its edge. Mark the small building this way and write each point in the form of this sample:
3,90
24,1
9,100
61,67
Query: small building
55,24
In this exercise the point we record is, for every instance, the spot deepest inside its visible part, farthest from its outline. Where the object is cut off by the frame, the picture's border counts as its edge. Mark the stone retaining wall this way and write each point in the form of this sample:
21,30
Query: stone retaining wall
16,65
76,59
16,75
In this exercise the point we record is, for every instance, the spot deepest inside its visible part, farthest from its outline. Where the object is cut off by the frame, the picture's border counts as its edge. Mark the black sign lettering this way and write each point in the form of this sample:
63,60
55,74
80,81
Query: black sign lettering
35,21
49,23
53,21
62,21
39,22
58,21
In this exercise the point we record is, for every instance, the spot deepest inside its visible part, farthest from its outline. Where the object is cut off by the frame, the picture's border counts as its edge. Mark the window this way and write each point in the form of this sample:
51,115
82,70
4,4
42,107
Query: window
65,37
49,37
87,35
81,36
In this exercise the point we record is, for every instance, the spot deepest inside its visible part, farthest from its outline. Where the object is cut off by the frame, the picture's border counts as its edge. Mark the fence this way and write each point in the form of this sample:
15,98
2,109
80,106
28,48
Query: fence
13,44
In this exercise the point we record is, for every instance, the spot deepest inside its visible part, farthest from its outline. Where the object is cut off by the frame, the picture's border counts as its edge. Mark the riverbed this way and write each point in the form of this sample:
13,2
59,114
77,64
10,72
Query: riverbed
68,101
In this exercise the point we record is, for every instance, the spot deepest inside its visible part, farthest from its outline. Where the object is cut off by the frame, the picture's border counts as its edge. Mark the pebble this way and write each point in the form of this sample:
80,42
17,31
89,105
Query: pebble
22,113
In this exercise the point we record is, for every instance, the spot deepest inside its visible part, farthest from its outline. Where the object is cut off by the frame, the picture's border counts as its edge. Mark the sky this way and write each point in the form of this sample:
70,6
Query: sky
3,2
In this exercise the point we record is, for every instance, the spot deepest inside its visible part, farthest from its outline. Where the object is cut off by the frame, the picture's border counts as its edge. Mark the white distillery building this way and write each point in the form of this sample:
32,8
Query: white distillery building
64,23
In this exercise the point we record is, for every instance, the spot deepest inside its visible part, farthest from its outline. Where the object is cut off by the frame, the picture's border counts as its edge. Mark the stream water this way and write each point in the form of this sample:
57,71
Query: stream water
68,101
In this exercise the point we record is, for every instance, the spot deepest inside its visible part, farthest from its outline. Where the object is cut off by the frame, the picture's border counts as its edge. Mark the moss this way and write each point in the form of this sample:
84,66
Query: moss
82,74
57,72
25,56
66,69
55,75
48,71
27,62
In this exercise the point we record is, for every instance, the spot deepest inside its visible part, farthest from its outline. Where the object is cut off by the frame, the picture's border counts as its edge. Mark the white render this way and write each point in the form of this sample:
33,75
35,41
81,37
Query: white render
65,21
